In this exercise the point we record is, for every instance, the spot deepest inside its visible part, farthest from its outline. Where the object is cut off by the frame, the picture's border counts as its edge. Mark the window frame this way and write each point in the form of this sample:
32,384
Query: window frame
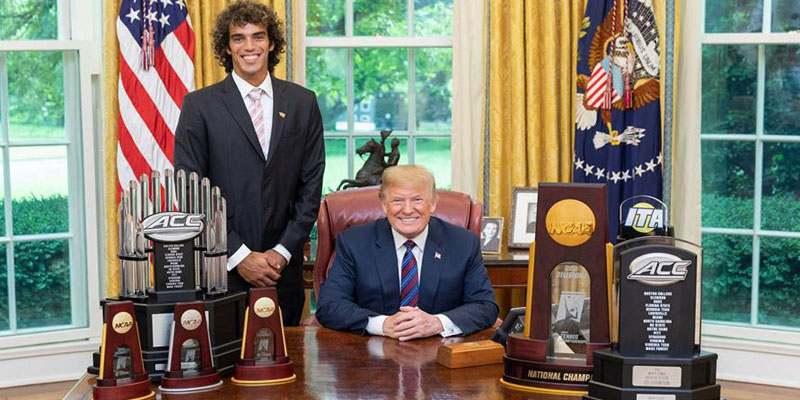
752,330
83,195
350,43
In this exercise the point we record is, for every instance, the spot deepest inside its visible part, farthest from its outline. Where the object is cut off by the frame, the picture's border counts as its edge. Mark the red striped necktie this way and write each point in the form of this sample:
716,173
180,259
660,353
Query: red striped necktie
409,282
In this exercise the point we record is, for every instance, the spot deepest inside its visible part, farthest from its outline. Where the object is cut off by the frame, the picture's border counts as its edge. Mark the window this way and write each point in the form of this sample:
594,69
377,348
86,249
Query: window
750,133
381,64
47,279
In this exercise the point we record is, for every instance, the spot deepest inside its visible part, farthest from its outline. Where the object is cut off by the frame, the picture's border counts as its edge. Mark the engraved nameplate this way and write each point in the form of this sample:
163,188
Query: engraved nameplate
655,397
652,376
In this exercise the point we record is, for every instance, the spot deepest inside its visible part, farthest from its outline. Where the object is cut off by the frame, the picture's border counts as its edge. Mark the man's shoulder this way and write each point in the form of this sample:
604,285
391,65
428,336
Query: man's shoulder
361,231
453,232
296,91
206,93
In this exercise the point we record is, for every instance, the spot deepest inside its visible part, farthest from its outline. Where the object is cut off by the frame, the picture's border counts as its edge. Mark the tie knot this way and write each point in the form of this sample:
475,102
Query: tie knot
254,94
409,244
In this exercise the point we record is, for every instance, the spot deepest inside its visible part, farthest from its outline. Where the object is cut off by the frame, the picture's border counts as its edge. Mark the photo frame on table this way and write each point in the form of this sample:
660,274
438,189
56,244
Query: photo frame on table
491,235
523,217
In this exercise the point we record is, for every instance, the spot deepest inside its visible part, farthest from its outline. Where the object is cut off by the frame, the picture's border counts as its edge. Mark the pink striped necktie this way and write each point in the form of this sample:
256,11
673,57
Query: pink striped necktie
257,116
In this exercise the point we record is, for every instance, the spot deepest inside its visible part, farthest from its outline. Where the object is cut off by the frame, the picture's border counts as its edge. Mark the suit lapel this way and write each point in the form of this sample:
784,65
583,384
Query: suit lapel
432,265
235,104
279,106
386,263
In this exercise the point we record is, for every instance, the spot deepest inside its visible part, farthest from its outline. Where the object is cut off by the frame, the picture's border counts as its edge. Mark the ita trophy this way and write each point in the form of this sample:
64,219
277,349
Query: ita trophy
567,305
656,352
122,374
263,359
190,365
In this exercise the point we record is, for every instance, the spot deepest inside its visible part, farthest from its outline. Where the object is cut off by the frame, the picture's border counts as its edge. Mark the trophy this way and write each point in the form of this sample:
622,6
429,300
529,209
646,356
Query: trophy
190,362
567,305
173,248
263,359
122,374
656,323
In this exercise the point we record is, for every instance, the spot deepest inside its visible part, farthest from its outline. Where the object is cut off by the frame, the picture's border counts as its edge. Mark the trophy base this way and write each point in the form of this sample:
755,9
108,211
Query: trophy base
225,322
263,375
197,383
527,367
139,390
649,378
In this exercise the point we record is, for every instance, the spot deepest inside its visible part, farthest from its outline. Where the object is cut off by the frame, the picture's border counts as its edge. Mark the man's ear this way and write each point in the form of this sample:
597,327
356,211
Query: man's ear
271,46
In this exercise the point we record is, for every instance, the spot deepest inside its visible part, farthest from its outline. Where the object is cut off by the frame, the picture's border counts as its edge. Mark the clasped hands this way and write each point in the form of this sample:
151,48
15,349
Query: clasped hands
262,269
411,323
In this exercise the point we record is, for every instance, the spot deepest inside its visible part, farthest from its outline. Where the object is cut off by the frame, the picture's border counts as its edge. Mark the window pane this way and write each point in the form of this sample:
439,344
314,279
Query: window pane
4,321
381,89
35,95
325,18
727,277
434,82
400,154
434,153
335,164
785,16
2,199
729,88
326,71
782,91
385,18
734,16
28,19
39,189
42,283
780,198
779,282
433,18
728,184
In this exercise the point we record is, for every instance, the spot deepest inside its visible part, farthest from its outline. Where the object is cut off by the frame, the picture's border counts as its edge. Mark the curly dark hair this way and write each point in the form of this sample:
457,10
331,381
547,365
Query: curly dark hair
242,13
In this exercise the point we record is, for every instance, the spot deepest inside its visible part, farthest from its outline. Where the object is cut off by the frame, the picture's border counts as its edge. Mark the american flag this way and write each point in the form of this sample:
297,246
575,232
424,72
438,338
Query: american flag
156,70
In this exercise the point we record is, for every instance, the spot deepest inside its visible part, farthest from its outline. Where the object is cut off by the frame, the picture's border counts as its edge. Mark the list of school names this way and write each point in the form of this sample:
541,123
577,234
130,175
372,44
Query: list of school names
658,320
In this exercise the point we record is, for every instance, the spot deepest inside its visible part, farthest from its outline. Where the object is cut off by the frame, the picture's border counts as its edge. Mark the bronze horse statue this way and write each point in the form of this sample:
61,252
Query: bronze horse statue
370,174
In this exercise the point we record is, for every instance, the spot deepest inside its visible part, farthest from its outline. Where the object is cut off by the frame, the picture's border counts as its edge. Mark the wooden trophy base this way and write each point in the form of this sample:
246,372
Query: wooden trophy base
263,375
173,382
138,390
528,368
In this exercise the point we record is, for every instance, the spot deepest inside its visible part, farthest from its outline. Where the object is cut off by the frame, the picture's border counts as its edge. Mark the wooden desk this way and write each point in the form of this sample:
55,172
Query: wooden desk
336,365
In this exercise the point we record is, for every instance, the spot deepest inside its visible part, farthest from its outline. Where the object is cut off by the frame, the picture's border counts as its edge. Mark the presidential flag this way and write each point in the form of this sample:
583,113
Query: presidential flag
156,70
618,111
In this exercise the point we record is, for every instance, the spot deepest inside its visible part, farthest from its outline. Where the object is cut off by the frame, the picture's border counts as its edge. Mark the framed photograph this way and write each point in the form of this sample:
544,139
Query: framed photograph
523,217
491,234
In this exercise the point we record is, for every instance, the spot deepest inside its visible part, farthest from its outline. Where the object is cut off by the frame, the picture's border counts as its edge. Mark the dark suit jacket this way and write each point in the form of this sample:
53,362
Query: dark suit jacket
363,280
269,201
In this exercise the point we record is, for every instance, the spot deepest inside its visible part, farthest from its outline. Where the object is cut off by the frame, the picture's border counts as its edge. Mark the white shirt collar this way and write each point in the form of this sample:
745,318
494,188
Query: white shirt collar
245,87
419,240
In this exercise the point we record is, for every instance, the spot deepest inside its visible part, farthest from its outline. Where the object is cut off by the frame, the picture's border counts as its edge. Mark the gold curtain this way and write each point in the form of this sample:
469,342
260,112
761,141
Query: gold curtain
207,71
533,48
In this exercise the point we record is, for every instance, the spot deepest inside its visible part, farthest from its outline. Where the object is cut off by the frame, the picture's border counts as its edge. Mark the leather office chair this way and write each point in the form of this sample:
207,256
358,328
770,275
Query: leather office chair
341,210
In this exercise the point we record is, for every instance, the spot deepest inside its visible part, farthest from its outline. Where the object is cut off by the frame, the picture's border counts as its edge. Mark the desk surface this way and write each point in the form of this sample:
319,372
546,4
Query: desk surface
335,365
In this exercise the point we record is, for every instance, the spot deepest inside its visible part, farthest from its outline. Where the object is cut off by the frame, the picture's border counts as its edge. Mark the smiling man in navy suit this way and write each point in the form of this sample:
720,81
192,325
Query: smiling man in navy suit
408,275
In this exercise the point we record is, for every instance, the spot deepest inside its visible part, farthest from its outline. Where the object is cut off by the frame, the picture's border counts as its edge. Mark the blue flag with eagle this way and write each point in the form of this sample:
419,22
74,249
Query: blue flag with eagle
618,113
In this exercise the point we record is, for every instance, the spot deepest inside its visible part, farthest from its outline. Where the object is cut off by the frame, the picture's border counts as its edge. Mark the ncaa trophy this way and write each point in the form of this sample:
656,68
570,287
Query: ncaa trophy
190,363
655,354
567,305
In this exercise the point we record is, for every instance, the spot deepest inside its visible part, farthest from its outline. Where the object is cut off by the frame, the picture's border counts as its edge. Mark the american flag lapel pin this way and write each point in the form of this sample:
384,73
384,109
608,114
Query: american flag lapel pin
437,255
281,114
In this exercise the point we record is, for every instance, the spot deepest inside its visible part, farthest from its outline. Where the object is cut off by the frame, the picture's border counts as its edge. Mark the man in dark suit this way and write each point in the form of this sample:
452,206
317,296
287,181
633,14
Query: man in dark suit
260,140
408,275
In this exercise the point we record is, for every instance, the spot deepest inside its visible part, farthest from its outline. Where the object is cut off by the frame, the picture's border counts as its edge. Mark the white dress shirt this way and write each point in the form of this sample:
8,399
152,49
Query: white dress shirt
375,324
267,103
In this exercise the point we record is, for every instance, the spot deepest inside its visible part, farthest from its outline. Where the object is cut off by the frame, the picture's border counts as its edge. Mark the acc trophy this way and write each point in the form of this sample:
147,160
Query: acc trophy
263,359
122,374
173,248
191,364
656,351
568,293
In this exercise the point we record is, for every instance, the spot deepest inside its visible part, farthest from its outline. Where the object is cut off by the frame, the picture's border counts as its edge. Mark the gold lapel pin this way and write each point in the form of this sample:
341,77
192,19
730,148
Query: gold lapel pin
281,114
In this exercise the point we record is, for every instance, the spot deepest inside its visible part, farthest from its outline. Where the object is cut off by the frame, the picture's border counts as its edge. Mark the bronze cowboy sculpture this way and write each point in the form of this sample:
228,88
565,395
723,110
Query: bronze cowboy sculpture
370,173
